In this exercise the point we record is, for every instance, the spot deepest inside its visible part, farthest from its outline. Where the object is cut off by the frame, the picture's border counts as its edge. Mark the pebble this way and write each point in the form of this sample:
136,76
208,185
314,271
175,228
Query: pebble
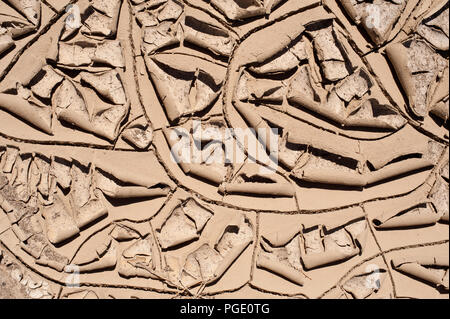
34,284
36,294
24,281
16,274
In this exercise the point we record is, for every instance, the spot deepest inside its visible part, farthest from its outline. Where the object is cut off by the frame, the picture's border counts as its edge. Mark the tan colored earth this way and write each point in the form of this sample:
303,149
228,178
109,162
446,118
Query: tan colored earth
314,161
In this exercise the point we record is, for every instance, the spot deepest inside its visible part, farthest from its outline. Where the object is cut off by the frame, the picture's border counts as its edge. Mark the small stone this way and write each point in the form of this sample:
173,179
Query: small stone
34,284
24,281
36,294
16,274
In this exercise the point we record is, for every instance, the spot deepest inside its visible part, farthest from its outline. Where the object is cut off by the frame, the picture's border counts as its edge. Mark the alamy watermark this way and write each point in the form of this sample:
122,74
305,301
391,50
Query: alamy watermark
73,19
373,18
373,281
72,279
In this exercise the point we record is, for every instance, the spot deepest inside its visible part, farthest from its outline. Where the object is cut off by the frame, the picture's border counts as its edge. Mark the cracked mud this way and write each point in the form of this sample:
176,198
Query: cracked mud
93,205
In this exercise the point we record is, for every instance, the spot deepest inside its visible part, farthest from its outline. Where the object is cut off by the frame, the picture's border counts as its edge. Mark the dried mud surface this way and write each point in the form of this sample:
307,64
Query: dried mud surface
92,204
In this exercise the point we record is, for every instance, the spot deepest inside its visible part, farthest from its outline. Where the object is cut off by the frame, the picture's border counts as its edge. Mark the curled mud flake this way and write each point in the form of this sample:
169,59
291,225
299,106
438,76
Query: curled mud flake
236,236
60,224
444,171
82,294
108,7
372,114
441,109
137,260
328,52
87,207
142,247
335,106
417,216
288,153
190,274
417,66
81,185
325,46
377,17
75,54
108,260
51,258
185,91
324,171
207,161
263,90
21,182
284,261
114,188
437,39
439,19
60,170
15,27
6,41
31,9
158,37
170,11
146,19
177,229
312,241
300,87
138,136
293,253
434,28
70,106
29,109
258,184
201,265
124,233
29,225
102,18
269,5
10,158
334,70
240,9
297,71
434,151
430,269
207,264
107,123
91,212
109,53
199,214
48,80
208,36
35,245
439,197
339,241
43,165
97,24
339,244
355,85
107,84
280,64
358,231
